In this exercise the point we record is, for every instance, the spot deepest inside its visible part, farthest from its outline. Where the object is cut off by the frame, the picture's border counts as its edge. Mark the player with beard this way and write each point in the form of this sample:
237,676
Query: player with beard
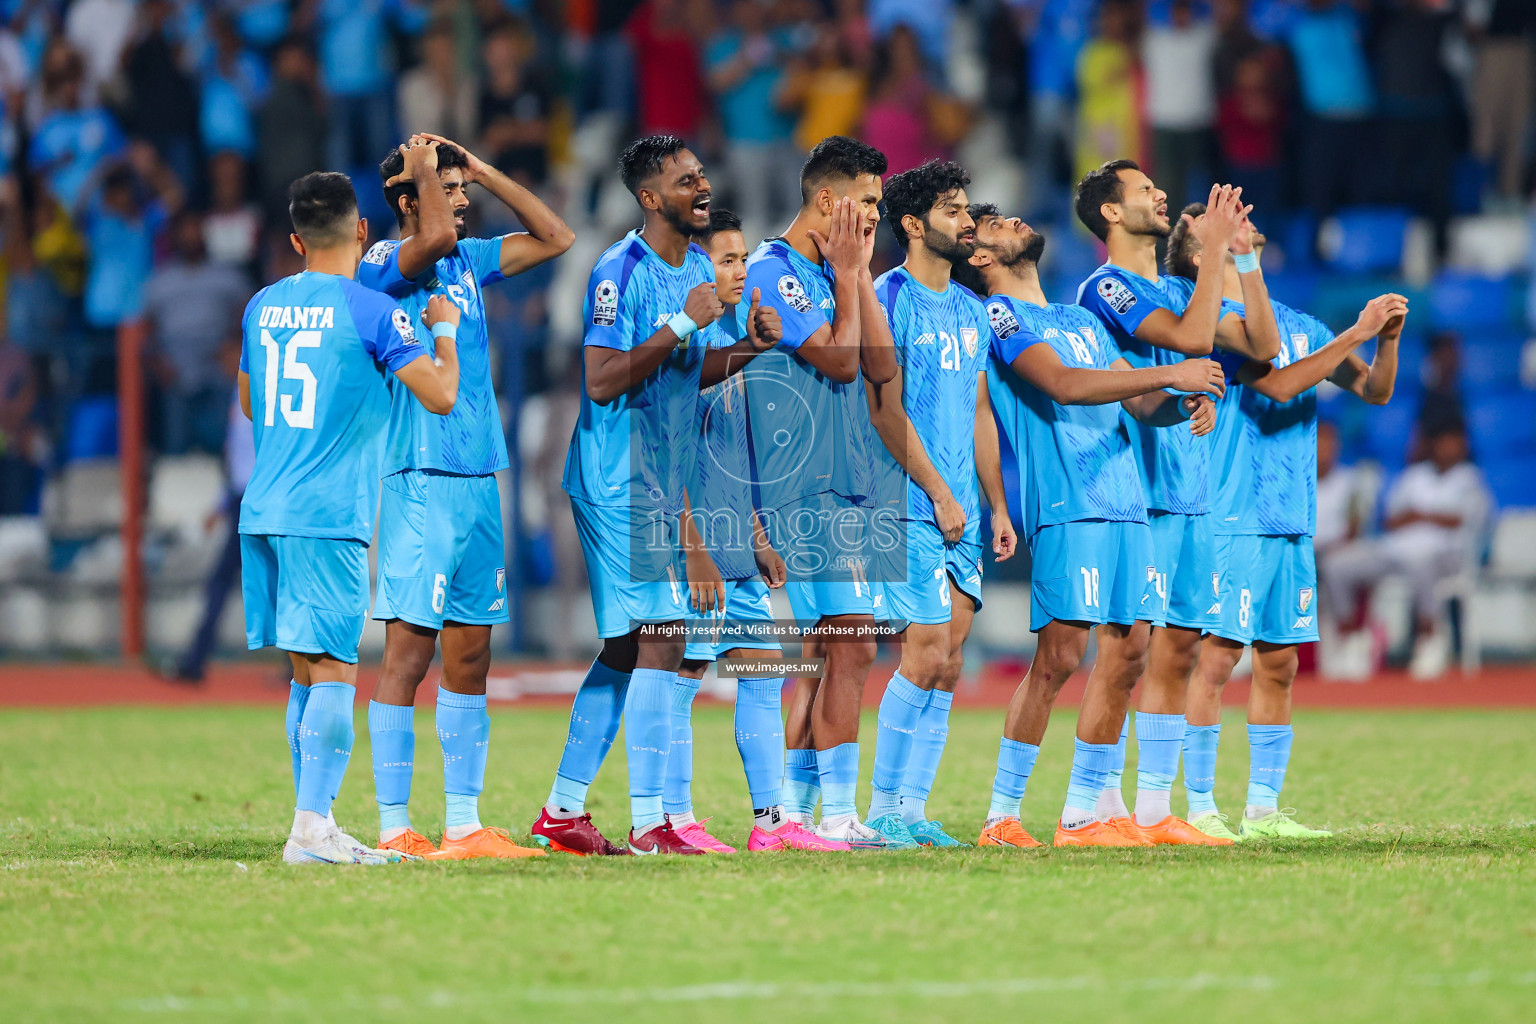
1056,377
1265,511
939,435
813,456
649,348
441,554
1153,324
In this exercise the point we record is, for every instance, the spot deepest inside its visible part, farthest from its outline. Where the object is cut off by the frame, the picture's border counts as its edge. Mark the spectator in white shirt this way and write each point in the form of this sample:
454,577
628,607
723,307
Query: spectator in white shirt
1180,61
1437,512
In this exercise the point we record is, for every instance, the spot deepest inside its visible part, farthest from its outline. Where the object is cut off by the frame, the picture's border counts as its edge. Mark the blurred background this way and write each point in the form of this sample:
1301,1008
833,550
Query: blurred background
146,146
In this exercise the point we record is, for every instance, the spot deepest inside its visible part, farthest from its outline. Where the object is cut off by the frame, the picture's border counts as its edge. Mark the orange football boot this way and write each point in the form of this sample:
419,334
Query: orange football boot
1173,831
488,842
1128,828
411,843
1098,833
1008,832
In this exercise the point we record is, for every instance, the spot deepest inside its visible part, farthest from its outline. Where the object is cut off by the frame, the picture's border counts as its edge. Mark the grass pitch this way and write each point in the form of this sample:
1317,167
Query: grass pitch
141,881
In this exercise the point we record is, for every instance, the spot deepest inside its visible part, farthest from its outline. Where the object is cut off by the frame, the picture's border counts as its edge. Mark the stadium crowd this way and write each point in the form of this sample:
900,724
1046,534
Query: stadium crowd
146,146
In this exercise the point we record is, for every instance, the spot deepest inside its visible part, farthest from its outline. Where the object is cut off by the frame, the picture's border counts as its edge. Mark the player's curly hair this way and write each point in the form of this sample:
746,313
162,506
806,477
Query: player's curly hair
720,219
642,159
919,190
838,158
1183,246
321,204
1099,186
448,157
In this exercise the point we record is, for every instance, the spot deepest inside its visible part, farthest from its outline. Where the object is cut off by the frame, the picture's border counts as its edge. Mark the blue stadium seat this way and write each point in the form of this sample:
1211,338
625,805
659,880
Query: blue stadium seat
1388,431
1492,364
1366,239
1295,288
92,429
1513,481
1502,426
1464,301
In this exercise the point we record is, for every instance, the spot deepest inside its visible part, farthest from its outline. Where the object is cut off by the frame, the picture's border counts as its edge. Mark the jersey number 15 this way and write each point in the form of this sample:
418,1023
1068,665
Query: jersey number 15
301,417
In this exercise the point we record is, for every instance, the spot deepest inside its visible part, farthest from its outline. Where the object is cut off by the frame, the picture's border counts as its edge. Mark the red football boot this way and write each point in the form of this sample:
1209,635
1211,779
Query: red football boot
661,839
573,835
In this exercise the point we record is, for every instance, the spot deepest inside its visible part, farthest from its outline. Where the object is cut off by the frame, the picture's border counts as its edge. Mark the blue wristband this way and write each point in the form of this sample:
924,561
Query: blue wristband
444,329
682,325
1247,262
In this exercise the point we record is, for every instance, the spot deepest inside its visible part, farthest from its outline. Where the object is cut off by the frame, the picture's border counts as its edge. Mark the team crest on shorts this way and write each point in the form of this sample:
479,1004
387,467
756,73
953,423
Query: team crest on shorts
968,339
1304,598
1004,324
605,304
1151,573
794,293
1118,297
1216,584
501,580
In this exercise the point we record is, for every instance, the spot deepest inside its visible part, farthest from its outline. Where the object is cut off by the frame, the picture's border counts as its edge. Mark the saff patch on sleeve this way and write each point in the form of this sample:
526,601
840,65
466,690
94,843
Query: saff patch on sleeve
402,321
793,292
1116,295
378,253
605,304
1004,324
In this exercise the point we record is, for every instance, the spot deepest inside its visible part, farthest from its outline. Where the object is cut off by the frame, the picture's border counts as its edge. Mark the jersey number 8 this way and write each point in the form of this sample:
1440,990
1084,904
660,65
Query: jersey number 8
302,417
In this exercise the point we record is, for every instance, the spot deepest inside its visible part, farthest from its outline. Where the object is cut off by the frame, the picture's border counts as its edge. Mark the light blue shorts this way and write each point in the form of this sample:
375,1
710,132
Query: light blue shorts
441,553
1268,589
747,612
1184,551
825,544
634,566
1094,570
304,594
922,593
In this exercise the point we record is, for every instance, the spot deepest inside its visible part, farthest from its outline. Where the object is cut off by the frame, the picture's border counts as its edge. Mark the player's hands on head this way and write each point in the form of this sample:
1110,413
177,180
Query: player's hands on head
1195,375
949,517
440,308
843,246
1005,542
706,589
764,328
1202,414
474,167
1381,311
703,306
420,153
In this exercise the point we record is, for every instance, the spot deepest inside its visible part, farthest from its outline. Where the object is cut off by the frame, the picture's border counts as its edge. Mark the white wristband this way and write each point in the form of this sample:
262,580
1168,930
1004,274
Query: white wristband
1247,262
682,325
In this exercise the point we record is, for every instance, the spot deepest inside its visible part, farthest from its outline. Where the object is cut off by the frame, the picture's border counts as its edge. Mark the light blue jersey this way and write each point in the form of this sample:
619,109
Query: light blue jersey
809,434
318,348
1174,464
721,489
1075,461
469,440
940,346
1270,447
640,449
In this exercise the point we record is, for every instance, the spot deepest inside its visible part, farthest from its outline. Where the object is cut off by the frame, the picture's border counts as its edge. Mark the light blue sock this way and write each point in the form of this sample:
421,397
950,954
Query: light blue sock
760,739
1015,763
1115,779
839,771
802,782
1091,763
464,730
392,732
298,696
595,716
325,740
677,793
901,709
927,750
648,730
1200,743
1269,754
1159,738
